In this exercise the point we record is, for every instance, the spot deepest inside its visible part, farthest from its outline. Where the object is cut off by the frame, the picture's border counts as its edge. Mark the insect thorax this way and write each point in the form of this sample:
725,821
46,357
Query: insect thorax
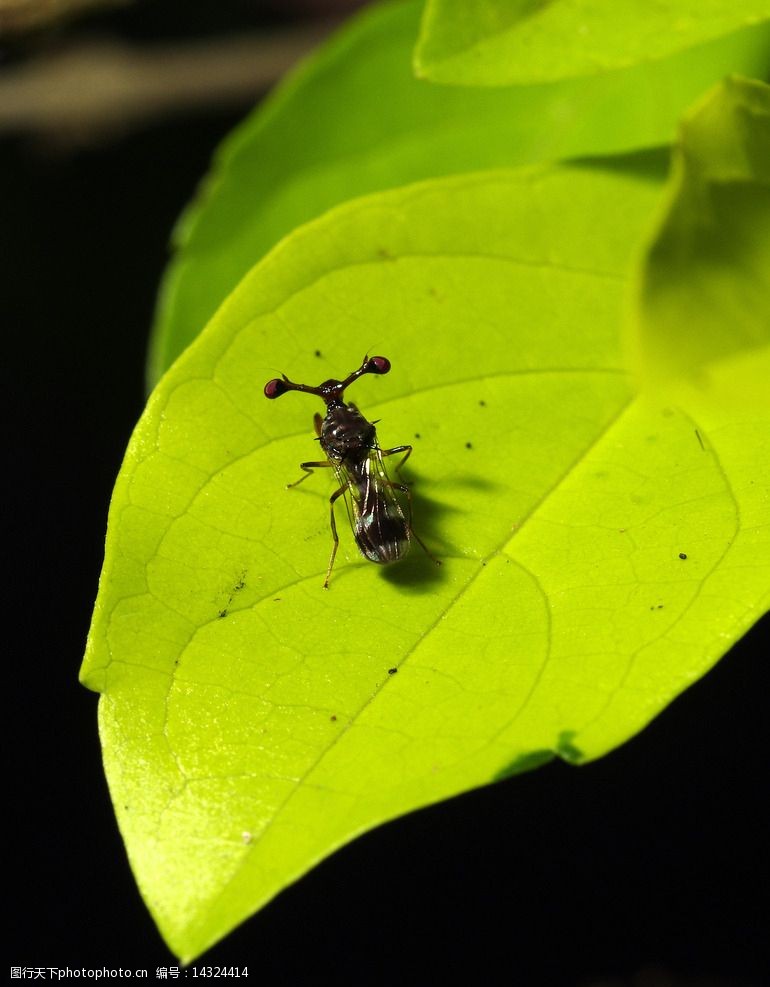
346,434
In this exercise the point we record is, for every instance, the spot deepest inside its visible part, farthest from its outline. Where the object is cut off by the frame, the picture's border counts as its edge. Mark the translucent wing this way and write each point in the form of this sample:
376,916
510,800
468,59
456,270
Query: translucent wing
378,521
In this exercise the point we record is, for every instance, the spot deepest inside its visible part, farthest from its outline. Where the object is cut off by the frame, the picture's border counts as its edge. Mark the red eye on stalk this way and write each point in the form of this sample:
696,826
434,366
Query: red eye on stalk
378,365
275,388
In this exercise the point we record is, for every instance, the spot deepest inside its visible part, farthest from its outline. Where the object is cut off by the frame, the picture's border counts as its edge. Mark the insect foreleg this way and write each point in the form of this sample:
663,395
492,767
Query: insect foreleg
335,536
308,468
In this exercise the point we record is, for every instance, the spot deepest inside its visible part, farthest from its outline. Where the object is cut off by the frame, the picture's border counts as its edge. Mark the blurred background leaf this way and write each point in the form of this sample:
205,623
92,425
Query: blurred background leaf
705,284
514,42
354,120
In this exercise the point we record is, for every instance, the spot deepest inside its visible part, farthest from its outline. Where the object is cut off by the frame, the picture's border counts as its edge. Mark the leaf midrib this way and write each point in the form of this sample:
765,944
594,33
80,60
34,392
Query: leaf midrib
352,720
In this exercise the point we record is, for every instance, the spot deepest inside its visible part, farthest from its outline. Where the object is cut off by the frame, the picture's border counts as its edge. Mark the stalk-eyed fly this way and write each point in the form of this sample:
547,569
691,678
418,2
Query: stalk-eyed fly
380,527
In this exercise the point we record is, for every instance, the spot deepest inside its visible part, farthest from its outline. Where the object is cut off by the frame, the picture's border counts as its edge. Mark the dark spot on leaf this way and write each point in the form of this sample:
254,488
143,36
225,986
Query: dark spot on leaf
682,555
333,718
417,435
317,353
392,671
468,445
482,404
222,614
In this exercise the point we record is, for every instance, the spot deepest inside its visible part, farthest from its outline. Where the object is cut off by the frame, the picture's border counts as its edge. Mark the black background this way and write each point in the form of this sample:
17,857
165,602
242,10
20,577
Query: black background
644,868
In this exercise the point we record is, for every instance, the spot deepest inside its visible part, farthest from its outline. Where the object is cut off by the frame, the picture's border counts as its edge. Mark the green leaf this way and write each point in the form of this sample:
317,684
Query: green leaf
251,721
515,42
705,288
353,120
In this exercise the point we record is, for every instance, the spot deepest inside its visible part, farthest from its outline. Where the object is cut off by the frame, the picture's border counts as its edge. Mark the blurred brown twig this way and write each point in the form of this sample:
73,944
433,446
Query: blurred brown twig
90,88
18,16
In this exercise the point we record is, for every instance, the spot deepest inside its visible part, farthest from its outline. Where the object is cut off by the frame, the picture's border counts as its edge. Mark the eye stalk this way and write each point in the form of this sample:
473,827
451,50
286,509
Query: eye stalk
331,391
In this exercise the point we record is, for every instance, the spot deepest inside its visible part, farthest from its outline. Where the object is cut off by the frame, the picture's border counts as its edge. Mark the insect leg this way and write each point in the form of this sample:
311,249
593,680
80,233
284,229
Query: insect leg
335,536
308,468
405,489
407,450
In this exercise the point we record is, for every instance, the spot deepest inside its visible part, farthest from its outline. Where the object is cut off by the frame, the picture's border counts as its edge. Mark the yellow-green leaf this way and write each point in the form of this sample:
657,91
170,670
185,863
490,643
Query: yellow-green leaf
515,42
599,554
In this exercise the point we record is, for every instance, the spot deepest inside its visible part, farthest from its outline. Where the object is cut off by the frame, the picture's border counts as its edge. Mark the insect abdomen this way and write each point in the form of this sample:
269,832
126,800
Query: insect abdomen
382,538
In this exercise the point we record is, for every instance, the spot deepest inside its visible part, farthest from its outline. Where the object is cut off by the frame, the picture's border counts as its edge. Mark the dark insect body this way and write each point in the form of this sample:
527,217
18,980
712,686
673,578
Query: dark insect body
381,528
